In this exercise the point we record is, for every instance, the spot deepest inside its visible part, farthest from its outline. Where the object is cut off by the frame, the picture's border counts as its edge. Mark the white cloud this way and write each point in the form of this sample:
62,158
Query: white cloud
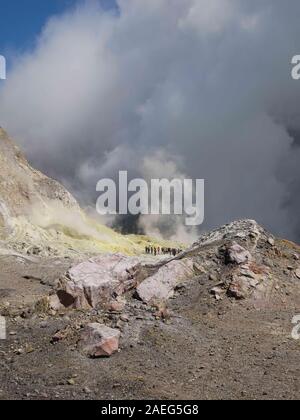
206,81
209,17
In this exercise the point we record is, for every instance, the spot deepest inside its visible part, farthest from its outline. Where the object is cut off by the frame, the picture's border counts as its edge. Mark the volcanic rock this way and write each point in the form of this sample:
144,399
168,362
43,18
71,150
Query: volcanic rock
98,281
98,340
236,254
161,285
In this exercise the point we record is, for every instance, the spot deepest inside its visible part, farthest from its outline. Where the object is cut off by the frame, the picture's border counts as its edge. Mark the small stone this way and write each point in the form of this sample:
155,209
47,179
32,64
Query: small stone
124,318
116,306
217,292
298,273
54,303
60,335
71,382
29,349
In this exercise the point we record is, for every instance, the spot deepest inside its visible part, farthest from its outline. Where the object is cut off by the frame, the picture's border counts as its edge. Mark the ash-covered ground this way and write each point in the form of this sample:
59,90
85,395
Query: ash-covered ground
89,315
224,332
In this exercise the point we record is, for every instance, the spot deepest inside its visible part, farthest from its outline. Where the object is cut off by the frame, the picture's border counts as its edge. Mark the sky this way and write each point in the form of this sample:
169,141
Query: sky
162,88
22,20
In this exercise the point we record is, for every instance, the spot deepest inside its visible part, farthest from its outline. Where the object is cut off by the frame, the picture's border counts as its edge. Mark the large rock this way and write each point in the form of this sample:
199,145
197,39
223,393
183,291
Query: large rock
99,281
240,287
161,285
248,280
98,340
236,254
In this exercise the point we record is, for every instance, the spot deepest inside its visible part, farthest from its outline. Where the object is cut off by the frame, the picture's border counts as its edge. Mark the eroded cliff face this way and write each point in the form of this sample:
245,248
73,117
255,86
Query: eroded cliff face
39,216
22,187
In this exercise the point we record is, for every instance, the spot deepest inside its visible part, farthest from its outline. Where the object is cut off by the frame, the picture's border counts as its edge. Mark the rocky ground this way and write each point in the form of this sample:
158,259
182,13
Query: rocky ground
89,316
213,323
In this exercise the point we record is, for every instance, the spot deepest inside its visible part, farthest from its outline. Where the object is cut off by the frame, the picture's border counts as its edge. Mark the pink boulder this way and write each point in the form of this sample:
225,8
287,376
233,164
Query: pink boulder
98,340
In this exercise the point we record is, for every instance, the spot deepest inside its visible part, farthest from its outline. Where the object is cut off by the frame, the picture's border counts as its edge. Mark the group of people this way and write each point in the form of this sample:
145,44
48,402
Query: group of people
157,250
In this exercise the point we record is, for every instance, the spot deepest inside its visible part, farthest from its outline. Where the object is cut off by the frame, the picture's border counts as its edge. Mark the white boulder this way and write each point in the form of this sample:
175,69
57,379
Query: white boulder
161,285
98,281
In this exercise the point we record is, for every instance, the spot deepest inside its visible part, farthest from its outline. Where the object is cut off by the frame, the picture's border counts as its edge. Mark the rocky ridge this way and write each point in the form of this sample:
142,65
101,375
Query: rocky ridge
238,255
